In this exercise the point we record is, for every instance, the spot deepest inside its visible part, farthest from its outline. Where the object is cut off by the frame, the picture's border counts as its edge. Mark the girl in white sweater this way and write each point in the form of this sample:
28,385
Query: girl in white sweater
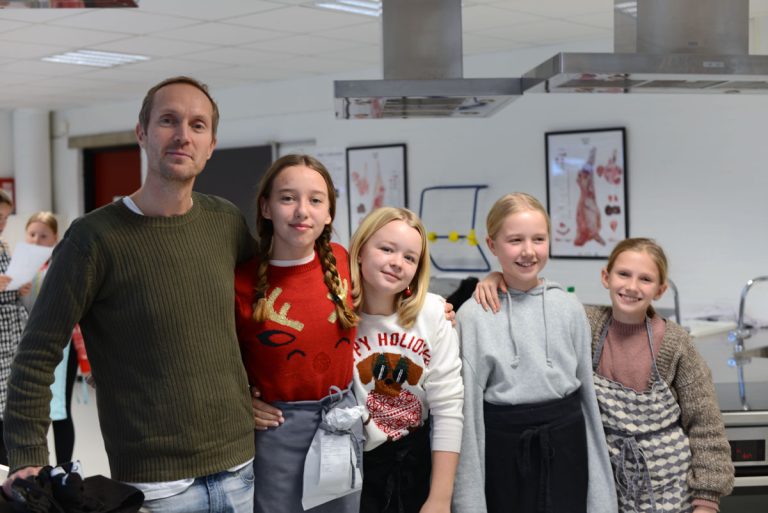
407,369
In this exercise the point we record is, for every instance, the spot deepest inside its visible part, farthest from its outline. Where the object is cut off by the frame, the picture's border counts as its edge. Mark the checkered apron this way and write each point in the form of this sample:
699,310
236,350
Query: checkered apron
13,317
649,451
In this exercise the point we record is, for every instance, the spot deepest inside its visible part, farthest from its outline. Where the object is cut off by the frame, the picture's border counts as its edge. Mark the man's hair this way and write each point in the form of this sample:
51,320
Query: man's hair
146,105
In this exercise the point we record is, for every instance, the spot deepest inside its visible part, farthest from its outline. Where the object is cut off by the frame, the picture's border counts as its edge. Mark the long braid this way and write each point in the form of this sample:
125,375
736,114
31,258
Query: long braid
344,312
260,289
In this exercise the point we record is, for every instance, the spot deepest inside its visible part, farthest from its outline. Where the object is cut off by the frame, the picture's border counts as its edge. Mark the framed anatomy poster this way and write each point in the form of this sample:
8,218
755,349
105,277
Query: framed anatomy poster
376,176
587,192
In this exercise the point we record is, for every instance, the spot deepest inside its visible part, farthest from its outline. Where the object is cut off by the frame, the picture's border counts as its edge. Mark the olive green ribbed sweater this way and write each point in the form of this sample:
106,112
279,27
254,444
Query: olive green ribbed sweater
154,297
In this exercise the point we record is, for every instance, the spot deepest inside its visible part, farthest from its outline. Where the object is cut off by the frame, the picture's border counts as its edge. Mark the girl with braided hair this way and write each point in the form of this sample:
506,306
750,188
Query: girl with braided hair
296,326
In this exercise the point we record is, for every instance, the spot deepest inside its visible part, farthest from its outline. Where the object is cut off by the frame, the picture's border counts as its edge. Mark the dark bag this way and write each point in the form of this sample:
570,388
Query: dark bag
63,490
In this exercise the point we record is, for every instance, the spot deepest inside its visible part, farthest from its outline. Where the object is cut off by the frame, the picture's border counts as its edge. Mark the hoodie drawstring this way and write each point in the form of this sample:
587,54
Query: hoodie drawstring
544,314
516,352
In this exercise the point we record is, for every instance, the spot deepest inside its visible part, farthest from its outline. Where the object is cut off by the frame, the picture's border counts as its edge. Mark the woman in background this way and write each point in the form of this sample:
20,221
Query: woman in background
13,316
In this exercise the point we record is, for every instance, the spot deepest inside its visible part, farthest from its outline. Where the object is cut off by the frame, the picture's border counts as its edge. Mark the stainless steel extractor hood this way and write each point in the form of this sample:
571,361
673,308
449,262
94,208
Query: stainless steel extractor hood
665,46
423,69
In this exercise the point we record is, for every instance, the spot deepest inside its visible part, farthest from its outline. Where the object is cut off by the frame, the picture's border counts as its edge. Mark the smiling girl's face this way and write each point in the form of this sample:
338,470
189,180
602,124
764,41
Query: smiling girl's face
633,282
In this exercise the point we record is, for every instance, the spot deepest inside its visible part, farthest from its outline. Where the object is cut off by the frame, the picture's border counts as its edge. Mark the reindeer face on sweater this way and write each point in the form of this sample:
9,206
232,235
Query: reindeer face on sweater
389,371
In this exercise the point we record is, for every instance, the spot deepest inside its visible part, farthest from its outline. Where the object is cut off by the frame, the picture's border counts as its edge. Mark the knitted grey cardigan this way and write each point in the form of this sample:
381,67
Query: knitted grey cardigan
689,378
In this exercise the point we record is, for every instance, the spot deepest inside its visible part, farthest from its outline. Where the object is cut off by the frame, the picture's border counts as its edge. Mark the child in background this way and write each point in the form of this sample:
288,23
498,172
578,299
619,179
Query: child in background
657,400
407,369
13,317
533,440
296,324
43,229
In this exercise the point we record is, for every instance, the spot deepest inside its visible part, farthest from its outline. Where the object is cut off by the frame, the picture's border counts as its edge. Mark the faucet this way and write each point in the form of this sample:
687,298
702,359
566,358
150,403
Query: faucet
741,333
676,297
738,336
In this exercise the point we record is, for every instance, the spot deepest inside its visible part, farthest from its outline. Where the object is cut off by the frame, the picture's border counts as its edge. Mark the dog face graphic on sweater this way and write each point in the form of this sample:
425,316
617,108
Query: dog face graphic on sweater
394,410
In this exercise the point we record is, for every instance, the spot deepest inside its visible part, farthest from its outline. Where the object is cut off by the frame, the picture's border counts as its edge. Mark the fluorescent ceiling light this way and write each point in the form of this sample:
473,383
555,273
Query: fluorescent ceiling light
365,7
96,58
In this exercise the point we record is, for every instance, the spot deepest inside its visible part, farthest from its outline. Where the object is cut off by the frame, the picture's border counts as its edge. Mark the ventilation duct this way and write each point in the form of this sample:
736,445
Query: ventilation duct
423,70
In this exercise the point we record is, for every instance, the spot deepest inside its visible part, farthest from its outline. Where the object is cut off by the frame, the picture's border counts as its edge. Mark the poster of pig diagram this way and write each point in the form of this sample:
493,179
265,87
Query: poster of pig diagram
587,192
376,177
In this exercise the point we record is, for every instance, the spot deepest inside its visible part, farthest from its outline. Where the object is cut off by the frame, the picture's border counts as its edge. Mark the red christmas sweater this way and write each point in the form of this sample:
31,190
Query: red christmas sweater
301,349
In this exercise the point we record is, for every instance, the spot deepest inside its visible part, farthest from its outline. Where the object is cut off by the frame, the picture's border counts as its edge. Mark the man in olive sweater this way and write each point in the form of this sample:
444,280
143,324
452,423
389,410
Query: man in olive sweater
150,279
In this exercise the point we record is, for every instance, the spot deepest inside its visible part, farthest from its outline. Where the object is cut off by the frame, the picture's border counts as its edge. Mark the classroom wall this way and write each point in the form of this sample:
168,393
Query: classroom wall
696,163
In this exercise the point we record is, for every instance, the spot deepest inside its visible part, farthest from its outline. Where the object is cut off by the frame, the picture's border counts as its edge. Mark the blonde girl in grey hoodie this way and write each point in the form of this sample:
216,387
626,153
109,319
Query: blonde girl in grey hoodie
533,440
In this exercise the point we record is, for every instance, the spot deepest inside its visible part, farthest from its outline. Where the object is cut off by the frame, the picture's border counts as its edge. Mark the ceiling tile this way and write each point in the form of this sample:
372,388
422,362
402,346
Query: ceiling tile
293,2
758,7
221,34
238,56
555,8
18,51
368,54
262,73
369,32
544,32
316,64
473,44
125,75
153,46
123,20
177,66
6,25
301,19
38,15
44,34
304,45
15,78
482,17
42,68
602,19
206,10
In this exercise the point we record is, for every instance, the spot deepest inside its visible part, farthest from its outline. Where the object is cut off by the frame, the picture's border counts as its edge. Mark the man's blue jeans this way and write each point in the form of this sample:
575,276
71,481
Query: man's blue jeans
225,492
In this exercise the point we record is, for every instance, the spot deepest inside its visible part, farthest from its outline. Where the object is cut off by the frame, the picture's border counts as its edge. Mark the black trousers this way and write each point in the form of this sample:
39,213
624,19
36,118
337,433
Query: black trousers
396,475
536,457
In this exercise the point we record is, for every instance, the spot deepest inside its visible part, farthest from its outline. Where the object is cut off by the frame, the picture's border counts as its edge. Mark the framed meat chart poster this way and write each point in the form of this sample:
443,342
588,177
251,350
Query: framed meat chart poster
376,177
587,192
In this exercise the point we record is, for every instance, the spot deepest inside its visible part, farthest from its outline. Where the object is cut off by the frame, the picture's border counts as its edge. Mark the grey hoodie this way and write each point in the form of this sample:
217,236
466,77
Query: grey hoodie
537,348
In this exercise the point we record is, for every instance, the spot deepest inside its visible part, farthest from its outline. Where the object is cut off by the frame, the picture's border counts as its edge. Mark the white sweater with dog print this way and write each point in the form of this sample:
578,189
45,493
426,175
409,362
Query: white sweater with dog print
402,376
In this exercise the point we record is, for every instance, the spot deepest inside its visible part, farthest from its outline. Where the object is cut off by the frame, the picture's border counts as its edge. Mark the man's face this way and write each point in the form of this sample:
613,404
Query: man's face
179,139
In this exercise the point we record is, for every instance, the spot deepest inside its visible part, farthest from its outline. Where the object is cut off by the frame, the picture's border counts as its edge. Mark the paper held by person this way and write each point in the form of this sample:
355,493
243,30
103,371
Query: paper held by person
27,259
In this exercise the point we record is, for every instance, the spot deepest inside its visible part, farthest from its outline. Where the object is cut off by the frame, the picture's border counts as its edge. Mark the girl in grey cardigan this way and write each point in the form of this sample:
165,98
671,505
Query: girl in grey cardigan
533,440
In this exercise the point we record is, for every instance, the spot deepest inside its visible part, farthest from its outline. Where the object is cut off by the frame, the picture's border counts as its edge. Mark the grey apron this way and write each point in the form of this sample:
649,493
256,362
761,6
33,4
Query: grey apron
280,454
649,451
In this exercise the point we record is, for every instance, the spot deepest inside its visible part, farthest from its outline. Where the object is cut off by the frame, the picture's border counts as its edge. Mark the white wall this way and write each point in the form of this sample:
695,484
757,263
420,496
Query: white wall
696,164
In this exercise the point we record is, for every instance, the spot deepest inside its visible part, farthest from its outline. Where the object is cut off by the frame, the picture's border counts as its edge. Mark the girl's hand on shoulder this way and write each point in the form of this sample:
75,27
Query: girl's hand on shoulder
25,289
450,315
5,280
486,291
264,415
